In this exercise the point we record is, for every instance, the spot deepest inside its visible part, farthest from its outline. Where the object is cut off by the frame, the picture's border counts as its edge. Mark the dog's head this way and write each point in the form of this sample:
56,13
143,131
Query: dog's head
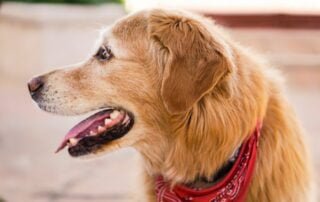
150,70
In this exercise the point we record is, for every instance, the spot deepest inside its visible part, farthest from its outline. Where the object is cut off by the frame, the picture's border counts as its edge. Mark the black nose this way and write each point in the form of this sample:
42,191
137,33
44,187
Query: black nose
35,85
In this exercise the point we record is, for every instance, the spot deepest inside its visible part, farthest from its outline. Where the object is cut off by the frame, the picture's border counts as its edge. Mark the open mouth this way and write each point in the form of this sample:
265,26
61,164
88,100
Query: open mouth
97,130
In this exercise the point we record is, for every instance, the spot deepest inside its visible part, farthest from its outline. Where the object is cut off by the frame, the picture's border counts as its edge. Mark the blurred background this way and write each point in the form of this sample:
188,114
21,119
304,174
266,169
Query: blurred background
39,35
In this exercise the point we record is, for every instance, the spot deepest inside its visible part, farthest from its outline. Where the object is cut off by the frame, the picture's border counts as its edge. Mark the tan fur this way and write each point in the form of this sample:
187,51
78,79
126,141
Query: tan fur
196,95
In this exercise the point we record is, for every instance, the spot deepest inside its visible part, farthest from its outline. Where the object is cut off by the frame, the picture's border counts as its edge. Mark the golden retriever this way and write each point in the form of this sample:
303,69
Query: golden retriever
173,86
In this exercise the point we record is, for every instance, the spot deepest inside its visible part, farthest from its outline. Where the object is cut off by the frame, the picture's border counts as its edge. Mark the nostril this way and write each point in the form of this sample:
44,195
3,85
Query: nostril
35,84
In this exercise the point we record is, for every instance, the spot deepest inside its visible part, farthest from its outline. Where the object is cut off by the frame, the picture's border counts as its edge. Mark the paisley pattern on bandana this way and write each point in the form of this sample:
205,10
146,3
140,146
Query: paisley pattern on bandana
233,187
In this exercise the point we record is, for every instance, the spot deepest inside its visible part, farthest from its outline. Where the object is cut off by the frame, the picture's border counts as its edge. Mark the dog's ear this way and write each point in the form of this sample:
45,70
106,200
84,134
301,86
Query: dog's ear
193,62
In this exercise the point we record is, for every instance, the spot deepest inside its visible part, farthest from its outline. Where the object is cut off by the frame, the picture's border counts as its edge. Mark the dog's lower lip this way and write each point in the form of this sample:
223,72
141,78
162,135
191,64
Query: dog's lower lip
97,130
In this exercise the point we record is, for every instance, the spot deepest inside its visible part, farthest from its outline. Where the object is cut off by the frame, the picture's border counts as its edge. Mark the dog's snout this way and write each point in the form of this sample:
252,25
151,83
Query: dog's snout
35,85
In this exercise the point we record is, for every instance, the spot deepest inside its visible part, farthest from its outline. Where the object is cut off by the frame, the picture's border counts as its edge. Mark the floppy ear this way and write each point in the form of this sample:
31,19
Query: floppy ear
193,61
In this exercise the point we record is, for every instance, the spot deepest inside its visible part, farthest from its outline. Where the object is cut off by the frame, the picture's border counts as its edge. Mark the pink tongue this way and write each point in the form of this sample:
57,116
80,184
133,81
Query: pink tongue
82,126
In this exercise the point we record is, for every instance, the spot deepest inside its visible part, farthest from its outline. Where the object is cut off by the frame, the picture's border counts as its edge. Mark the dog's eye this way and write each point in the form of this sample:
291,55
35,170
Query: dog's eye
104,53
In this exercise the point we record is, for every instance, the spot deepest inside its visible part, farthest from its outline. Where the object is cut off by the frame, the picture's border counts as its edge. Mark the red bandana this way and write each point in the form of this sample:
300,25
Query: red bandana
233,187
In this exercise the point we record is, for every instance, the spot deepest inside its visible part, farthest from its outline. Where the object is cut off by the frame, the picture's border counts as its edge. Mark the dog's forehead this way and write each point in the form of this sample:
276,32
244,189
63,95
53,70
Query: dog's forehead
126,34
127,27
130,26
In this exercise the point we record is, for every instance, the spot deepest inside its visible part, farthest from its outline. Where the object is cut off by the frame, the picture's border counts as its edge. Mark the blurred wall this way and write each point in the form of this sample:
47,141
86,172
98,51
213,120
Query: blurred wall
37,37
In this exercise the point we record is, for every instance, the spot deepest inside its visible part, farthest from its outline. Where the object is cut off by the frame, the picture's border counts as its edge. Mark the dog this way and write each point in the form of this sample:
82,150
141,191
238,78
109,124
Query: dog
208,116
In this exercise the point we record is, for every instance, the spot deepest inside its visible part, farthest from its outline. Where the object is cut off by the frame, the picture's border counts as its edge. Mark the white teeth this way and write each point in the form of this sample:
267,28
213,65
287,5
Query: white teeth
126,119
114,114
101,129
107,121
93,133
73,141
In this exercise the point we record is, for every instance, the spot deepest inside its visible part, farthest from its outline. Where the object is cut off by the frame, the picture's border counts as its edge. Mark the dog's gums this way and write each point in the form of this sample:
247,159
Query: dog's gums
95,131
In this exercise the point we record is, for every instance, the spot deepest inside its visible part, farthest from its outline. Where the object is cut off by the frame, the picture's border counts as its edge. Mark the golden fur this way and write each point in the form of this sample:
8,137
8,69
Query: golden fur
196,95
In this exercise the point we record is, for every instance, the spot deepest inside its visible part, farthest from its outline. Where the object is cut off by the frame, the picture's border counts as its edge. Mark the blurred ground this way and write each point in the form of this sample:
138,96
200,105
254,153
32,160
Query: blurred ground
31,172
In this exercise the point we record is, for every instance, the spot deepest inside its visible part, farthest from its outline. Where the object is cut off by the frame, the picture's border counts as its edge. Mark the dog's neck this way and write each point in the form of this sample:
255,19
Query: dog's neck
203,183
200,146
207,140
203,139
